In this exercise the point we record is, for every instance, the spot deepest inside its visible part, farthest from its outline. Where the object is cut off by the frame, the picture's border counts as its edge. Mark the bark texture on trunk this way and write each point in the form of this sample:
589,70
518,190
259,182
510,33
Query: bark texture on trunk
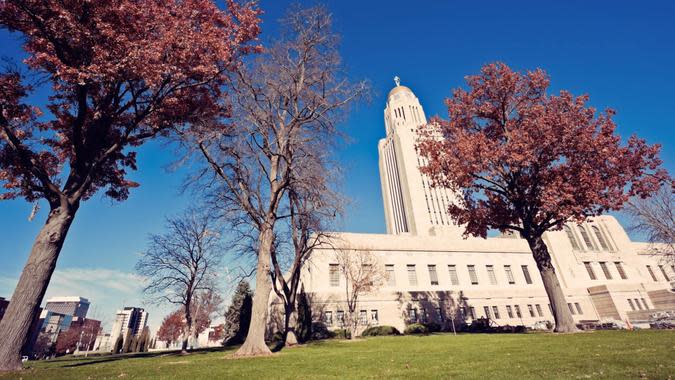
255,345
290,322
561,313
32,285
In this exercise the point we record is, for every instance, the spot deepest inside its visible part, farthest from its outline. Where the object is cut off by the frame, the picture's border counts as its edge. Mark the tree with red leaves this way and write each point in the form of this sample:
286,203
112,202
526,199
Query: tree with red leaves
122,72
527,161
172,328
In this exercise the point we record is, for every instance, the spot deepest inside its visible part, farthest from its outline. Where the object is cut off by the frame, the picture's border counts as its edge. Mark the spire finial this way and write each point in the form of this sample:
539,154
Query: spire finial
397,80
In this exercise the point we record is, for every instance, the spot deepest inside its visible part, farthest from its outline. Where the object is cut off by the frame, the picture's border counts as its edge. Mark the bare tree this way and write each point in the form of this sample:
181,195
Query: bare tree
182,262
363,274
655,217
313,205
289,99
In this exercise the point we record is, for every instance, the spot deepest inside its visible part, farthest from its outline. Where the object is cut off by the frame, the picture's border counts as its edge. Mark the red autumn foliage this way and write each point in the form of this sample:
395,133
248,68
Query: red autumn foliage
524,160
121,72
172,327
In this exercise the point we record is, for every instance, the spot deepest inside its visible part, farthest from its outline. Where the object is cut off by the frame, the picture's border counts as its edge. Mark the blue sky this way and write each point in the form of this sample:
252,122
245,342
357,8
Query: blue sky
621,53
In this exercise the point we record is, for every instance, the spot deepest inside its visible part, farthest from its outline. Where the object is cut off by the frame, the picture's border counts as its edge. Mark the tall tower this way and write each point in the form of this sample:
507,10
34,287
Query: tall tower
411,205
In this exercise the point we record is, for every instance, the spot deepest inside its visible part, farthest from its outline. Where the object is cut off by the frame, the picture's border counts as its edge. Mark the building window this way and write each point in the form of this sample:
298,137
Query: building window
526,273
374,318
589,269
453,274
663,272
363,317
334,275
433,276
328,318
578,307
412,315
391,276
630,303
539,312
439,312
472,274
472,312
637,303
651,272
495,311
569,305
572,238
605,270
509,274
601,238
341,317
486,309
491,274
509,311
619,268
531,310
412,275
587,238
645,303
518,313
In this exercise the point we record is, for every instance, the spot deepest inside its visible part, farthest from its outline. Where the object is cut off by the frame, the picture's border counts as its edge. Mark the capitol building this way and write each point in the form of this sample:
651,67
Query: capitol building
433,274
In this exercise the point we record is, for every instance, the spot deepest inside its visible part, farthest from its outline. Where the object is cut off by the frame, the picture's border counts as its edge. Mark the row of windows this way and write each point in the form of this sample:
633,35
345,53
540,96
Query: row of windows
605,270
663,272
634,303
411,269
589,243
340,317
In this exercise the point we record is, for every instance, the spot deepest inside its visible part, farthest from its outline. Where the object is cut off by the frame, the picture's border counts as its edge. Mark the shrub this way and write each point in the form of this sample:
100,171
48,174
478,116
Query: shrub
341,334
416,328
432,327
380,330
320,331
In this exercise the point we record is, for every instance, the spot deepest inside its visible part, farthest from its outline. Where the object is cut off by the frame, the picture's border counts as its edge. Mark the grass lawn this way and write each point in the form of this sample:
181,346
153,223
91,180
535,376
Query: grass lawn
602,354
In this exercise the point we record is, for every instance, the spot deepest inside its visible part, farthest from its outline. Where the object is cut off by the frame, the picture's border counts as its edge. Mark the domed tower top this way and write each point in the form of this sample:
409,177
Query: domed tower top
403,109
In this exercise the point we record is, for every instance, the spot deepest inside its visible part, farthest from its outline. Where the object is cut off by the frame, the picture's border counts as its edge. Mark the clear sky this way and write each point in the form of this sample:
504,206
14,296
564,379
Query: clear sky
621,53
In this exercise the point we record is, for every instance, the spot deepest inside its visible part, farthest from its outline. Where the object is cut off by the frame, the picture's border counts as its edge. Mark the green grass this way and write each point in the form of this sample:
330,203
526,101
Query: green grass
607,354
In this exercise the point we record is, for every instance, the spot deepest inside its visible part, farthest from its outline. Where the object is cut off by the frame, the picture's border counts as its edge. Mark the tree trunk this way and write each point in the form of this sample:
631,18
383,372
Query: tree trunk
188,328
290,323
255,345
561,313
27,297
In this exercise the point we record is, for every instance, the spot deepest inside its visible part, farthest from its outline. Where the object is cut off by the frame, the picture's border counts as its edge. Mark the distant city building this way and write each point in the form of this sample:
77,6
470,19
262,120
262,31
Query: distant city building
53,323
102,342
75,306
130,318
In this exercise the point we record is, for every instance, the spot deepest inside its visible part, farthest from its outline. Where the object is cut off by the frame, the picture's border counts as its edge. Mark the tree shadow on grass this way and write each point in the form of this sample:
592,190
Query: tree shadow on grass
79,362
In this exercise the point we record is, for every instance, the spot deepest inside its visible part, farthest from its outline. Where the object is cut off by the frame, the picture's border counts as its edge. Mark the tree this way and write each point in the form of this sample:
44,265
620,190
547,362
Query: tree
289,98
122,72
238,315
206,305
304,325
527,161
182,262
363,274
172,327
655,218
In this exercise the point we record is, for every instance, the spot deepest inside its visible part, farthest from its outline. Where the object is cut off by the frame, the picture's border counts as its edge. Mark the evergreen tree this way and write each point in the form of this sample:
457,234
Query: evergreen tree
238,315
304,326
